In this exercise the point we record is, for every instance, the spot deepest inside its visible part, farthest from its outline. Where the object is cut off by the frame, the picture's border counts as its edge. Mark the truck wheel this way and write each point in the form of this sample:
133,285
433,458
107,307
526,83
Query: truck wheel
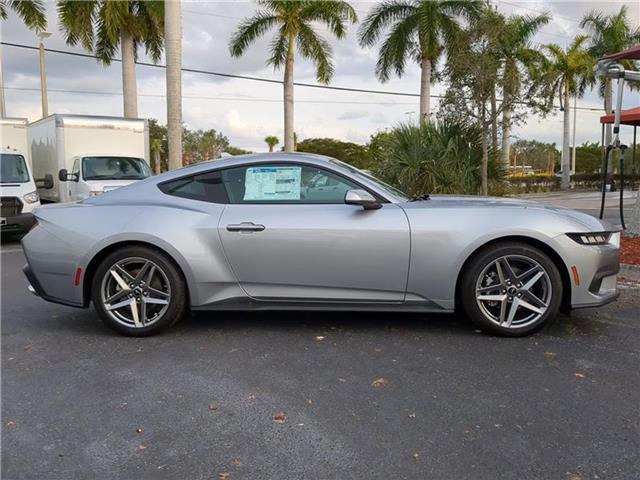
138,291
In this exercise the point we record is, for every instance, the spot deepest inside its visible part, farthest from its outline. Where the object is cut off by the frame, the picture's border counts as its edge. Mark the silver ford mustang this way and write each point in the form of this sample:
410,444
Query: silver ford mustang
299,231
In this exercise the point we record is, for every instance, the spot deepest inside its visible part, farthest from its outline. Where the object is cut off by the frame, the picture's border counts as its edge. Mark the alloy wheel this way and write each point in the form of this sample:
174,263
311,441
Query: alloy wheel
135,292
513,291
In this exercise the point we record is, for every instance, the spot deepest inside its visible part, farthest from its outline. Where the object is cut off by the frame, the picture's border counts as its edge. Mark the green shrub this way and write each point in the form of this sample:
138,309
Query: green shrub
444,157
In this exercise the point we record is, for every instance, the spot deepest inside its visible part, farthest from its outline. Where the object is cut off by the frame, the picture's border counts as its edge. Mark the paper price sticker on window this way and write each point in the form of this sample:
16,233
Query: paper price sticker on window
272,183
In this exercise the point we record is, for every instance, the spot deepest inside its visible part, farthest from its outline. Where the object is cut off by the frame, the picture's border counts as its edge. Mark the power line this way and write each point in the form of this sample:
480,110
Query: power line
224,75
247,77
209,97
538,11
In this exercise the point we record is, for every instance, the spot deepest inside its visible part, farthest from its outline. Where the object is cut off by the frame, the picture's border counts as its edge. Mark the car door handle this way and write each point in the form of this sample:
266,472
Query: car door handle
245,227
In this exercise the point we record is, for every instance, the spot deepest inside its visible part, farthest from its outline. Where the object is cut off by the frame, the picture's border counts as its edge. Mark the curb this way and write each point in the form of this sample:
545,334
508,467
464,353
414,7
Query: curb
631,272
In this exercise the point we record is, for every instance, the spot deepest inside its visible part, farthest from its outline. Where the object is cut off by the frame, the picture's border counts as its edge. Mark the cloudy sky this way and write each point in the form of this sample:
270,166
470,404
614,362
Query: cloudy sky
247,111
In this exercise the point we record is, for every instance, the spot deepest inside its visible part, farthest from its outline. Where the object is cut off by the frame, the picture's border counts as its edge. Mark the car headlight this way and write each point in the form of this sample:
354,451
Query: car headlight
31,197
95,193
595,238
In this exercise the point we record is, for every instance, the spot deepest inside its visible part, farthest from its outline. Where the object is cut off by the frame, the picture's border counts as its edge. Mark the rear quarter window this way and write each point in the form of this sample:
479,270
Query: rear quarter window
205,187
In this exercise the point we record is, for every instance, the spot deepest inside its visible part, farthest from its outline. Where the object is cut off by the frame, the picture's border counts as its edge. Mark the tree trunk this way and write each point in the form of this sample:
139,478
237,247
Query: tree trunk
565,159
129,89
173,53
270,148
494,121
289,142
3,109
425,90
156,162
573,139
506,129
485,153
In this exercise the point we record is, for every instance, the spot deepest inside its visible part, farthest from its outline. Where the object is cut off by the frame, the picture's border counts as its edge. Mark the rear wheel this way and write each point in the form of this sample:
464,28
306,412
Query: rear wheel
511,289
138,291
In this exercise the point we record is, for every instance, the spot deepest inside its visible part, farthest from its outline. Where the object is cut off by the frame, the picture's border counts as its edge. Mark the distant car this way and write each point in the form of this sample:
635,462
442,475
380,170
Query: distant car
304,232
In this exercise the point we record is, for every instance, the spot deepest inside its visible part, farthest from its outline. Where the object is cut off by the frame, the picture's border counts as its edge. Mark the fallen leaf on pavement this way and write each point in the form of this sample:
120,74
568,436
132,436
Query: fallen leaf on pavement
279,417
342,380
236,463
416,455
580,375
223,476
320,338
213,406
309,401
379,382
11,424
550,354
412,415
142,446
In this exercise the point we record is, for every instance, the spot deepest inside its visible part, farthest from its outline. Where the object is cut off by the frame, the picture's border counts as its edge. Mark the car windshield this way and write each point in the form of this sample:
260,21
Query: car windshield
382,185
13,168
114,168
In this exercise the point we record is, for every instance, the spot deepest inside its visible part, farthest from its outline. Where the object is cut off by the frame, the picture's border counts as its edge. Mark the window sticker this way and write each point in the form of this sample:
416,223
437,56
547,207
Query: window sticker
272,183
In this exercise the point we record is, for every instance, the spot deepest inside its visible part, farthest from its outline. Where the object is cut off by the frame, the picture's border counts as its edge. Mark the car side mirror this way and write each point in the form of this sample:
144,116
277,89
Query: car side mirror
65,176
361,198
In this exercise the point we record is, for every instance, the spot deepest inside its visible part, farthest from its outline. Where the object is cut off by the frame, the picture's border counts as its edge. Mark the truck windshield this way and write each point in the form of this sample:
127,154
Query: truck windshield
13,168
114,168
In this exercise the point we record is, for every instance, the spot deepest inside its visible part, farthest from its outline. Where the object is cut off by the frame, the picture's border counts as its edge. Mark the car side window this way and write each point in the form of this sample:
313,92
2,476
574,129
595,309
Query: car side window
206,187
285,183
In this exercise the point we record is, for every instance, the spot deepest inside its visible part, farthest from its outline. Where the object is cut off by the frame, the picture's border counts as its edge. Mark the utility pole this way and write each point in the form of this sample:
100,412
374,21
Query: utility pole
173,53
43,75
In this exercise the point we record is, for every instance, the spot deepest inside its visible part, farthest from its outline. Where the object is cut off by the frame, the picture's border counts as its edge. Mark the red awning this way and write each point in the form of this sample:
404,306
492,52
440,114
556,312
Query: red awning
627,117
632,53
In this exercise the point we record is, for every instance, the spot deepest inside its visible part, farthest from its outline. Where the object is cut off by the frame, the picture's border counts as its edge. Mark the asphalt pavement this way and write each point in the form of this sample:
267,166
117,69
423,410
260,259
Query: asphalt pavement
316,395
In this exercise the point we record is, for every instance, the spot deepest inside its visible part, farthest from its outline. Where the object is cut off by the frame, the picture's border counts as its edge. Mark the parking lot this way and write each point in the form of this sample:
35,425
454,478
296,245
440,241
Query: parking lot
301,395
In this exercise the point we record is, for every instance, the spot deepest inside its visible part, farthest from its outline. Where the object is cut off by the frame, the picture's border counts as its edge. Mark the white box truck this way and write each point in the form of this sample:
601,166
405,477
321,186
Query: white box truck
18,195
88,155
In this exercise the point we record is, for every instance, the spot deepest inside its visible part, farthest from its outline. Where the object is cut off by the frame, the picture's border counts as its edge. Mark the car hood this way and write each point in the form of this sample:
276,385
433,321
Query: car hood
108,185
463,201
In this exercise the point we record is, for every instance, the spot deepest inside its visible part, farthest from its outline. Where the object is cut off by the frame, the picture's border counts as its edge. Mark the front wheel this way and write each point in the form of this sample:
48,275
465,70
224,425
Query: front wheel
138,291
511,289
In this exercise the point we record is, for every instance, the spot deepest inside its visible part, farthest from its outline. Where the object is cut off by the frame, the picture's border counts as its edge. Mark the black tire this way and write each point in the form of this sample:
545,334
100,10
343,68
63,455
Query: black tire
177,300
484,260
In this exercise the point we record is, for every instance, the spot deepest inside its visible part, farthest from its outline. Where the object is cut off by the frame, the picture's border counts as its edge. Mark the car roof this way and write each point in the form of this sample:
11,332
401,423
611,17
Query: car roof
239,160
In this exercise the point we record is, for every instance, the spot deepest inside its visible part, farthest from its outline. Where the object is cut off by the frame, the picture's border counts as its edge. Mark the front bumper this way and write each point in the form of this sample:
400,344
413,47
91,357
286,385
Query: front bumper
596,267
17,224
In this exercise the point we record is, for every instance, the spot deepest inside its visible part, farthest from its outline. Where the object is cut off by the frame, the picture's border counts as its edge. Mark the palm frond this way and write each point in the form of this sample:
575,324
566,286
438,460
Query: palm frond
250,30
332,13
318,50
382,16
76,19
32,13
397,48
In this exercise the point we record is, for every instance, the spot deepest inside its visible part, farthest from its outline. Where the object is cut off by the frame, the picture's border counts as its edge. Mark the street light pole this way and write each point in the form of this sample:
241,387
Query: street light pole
3,109
43,75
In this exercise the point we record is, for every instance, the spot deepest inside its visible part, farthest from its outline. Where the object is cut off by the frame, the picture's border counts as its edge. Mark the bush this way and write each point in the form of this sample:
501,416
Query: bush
443,157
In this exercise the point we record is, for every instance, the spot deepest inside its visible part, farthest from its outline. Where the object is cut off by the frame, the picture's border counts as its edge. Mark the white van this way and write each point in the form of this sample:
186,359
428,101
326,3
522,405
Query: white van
88,155
18,194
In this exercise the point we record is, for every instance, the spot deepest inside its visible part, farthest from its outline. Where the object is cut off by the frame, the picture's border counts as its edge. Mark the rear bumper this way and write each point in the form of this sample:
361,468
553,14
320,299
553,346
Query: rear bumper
35,287
17,224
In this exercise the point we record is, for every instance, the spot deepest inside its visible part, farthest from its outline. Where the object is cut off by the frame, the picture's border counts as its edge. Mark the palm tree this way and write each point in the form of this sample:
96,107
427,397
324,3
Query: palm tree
272,141
567,72
295,21
32,13
420,30
517,53
610,34
103,26
156,149
173,49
